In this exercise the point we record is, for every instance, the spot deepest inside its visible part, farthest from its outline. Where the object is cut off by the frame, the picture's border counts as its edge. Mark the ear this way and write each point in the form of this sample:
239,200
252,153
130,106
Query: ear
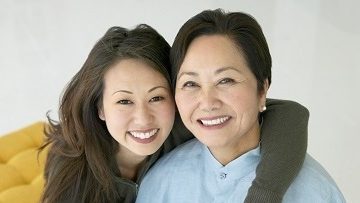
101,113
263,93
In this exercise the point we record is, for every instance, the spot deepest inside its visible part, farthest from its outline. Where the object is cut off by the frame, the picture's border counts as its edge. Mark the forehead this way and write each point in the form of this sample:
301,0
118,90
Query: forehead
213,51
126,67
132,72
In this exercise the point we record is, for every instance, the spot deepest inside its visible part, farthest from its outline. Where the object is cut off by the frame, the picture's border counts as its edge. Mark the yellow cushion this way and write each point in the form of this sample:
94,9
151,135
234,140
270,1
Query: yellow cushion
21,166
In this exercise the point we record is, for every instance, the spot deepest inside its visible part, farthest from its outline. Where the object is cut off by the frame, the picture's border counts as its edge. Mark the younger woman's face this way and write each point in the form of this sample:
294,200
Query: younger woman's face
138,106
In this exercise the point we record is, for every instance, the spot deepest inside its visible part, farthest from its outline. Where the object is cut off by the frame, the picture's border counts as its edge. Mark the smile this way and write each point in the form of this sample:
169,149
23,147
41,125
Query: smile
213,122
144,134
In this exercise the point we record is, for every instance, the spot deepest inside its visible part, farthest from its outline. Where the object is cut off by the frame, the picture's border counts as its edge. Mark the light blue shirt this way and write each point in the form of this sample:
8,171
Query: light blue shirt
191,174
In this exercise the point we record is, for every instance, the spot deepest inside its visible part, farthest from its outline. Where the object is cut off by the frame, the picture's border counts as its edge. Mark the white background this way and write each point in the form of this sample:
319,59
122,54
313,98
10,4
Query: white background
314,44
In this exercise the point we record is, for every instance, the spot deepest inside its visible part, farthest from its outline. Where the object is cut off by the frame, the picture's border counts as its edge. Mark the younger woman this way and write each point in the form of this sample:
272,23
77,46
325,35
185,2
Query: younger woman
116,119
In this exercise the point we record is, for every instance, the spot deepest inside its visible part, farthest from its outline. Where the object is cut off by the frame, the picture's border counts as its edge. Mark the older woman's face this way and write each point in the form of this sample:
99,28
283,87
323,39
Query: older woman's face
216,94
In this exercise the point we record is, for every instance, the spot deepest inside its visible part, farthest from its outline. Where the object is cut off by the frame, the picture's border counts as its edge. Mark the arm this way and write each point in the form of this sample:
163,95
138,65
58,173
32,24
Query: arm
283,150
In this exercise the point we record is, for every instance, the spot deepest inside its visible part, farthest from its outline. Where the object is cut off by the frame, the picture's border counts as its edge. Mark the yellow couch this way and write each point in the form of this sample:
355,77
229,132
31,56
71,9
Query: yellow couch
21,169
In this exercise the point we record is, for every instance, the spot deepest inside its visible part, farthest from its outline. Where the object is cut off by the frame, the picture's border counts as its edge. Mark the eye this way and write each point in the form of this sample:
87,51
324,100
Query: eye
157,98
124,102
190,84
226,81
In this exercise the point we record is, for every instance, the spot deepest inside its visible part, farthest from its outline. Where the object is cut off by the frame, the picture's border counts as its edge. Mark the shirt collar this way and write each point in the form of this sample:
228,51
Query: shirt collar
237,168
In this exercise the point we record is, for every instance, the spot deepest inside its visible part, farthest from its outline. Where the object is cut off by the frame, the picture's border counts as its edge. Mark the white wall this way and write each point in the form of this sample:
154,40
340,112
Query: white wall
314,44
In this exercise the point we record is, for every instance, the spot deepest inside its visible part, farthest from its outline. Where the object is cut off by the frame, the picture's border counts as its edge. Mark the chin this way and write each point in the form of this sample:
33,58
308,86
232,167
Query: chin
147,152
212,142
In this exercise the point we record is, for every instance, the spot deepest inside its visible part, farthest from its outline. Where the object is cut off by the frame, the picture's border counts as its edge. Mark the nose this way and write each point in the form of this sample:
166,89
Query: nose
143,115
209,100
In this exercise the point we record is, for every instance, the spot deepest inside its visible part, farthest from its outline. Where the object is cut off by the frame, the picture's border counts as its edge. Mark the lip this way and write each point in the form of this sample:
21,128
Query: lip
144,140
214,126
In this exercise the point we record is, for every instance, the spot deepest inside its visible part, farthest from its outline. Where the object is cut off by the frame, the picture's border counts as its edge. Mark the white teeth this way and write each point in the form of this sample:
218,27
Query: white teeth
215,121
143,135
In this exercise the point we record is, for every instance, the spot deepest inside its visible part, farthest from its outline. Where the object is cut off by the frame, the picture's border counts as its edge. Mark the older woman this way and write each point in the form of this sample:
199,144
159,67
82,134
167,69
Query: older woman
116,120
223,71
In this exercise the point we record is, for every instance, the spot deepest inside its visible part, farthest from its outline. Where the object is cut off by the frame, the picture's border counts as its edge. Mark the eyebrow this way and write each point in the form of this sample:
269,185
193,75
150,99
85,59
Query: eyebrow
218,71
157,87
124,91
187,73
150,90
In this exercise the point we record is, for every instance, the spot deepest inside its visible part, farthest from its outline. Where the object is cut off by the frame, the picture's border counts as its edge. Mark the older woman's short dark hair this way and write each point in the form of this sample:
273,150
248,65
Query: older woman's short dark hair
241,28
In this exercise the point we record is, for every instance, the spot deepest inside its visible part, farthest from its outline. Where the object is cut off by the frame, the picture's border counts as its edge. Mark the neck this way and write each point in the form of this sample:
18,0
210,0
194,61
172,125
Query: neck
247,142
129,163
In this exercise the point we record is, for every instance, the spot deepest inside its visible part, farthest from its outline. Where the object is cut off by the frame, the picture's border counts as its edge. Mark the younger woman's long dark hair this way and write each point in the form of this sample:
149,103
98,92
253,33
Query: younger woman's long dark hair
81,164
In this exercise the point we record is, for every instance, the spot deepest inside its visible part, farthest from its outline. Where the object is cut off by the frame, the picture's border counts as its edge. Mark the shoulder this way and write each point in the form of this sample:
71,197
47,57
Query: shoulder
314,184
172,166
180,158
183,153
314,172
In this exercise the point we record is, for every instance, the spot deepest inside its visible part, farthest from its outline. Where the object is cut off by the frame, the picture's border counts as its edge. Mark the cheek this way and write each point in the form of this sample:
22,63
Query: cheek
184,102
243,99
116,120
165,117
166,112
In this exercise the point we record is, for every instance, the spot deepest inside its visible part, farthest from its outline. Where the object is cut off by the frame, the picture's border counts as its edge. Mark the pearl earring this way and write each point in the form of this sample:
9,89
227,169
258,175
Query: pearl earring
264,108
